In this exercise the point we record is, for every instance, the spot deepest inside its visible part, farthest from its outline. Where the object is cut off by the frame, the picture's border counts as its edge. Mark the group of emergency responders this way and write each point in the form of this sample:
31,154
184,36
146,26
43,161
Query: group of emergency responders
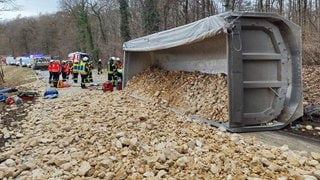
84,69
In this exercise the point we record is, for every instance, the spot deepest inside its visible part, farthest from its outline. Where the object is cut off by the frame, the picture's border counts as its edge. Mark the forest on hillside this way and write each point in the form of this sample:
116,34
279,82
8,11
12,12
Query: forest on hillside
101,26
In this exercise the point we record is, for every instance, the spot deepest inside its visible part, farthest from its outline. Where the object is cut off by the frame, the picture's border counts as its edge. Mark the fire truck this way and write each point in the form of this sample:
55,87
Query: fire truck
77,56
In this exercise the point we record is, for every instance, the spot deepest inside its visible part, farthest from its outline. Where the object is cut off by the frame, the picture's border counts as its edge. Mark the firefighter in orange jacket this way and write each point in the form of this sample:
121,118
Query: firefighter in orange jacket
68,68
50,71
64,70
56,70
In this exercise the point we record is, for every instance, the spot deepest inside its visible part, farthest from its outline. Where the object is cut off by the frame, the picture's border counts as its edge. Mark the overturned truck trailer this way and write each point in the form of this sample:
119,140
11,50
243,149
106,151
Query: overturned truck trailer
259,52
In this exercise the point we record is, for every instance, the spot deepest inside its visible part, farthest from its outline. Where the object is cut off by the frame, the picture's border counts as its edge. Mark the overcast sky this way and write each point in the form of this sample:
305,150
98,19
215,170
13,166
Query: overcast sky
29,8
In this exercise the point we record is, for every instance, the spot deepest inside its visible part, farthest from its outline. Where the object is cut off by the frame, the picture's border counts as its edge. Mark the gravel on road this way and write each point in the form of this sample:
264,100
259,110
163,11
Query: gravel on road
88,134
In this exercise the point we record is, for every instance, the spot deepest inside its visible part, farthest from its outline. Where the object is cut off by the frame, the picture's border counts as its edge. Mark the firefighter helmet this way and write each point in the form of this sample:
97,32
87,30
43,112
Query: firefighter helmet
85,59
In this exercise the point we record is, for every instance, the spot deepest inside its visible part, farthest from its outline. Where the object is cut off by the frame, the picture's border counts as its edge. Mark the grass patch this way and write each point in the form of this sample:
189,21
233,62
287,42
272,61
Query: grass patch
15,76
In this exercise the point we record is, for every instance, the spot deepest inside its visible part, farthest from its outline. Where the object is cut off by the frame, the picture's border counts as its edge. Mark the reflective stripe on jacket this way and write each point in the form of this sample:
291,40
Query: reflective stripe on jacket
75,68
110,67
83,68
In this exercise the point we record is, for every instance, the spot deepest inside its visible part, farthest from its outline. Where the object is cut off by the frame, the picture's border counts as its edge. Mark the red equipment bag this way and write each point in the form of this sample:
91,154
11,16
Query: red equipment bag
9,101
28,96
107,86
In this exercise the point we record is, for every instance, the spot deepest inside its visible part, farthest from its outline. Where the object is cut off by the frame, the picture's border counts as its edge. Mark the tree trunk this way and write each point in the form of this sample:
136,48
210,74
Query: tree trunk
165,14
267,5
280,7
304,12
150,17
203,8
83,22
124,24
186,12
318,14
100,21
197,9
209,7
260,5
295,12
290,10
229,5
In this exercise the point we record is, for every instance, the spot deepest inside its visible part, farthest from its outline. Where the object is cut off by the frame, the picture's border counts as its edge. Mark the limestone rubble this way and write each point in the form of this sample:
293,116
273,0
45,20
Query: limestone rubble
195,93
94,135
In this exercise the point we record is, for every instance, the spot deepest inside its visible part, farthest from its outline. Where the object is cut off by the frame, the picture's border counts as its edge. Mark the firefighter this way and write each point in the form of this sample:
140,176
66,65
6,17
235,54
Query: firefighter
117,75
90,78
64,70
56,70
118,63
75,71
68,69
50,71
110,69
99,67
84,70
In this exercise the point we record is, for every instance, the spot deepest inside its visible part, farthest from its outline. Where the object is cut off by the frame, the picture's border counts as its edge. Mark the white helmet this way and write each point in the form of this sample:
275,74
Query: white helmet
85,59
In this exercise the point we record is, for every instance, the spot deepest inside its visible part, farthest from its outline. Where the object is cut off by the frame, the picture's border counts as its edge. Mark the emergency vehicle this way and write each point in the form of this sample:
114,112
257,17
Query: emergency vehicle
77,56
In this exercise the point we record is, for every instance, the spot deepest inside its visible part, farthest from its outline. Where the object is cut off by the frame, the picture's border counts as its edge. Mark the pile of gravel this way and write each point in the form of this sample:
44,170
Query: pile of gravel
87,134
192,93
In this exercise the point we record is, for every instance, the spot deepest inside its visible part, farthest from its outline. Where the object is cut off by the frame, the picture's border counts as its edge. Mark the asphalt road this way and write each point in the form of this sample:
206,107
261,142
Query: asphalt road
280,138
98,79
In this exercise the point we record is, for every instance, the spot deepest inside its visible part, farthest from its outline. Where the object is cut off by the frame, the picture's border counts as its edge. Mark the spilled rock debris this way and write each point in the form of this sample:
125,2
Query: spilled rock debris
309,125
91,134
204,95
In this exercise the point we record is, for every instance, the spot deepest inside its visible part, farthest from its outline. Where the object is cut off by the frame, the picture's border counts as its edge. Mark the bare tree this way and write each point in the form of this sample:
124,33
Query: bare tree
260,6
267,7
8,5
317,6
61,33
229,5
124,24
186,11
164,11
79,10
97,9
280,7
150,17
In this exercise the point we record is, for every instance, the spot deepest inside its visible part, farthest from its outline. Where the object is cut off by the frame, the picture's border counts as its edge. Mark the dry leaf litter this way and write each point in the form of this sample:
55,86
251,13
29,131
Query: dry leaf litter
311,84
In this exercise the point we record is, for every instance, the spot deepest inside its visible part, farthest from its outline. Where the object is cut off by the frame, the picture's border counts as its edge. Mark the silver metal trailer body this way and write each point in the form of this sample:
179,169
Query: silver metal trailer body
260,53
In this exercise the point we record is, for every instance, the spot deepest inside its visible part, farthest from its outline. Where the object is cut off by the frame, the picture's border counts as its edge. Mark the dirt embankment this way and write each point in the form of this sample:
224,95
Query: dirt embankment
15,76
